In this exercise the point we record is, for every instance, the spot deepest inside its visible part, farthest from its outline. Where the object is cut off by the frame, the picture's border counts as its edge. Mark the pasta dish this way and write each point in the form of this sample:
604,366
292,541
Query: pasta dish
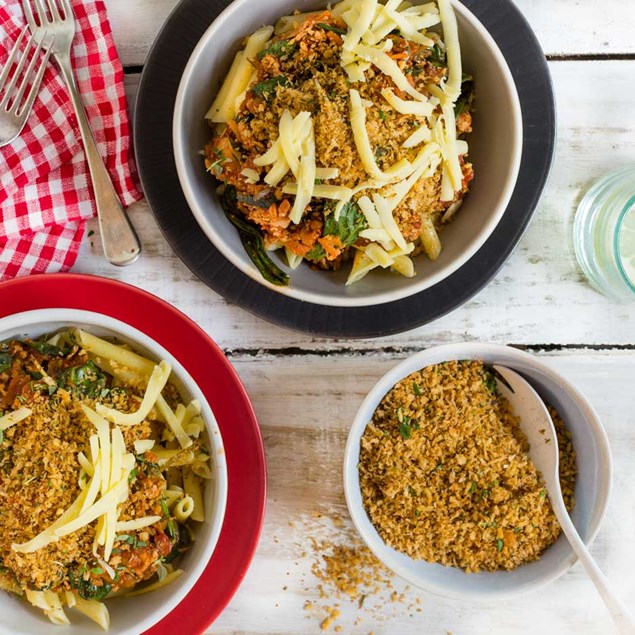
338,136
102,466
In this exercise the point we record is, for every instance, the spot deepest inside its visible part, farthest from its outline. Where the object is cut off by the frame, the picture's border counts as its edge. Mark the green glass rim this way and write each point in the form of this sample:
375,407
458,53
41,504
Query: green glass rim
628,207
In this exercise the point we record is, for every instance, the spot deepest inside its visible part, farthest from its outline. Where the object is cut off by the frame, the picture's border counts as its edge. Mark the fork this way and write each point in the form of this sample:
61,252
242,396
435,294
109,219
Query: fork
15,107
120,243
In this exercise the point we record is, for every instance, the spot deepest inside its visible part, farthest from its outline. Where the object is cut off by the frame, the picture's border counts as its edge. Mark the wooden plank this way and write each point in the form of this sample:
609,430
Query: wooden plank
544,296
566,27
304,441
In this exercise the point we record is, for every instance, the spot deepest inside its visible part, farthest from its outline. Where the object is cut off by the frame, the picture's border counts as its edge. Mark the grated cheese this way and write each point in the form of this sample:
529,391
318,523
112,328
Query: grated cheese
420,108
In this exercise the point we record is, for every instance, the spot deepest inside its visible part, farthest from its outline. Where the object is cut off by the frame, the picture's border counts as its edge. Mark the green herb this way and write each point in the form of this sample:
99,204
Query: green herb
543,493
45,348
5,361
265,88
132,476
382,115
417,513
330,27
252,240
316,253
411,490
405,430
97,571
472,487
490,381
141,543
87,590
466,98
517,530
347,227
380,152
499,545
182,544
279,49
86,380
484,493
1,436
437,56
416,389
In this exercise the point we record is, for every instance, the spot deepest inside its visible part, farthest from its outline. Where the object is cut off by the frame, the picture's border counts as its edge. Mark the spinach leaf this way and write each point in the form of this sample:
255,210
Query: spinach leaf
279,49
86,380
87,590
181,545
464,102
316,253
330,27
437,56
5,361
268,86
45,348
347,228
252,240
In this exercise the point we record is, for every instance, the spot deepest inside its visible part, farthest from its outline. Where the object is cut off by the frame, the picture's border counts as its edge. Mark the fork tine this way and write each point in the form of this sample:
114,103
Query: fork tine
16,75
9,63
68,9
35,87
27,75
53,8
41,11
28,14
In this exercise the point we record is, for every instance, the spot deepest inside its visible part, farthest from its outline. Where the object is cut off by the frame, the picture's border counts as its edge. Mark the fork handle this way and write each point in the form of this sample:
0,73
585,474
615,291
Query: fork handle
119,239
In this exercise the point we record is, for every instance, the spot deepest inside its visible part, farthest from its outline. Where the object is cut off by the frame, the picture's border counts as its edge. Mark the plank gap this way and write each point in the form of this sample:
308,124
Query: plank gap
296,351
590,57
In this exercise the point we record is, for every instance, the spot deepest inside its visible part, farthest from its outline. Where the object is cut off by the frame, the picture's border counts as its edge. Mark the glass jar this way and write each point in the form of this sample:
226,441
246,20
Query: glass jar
604,234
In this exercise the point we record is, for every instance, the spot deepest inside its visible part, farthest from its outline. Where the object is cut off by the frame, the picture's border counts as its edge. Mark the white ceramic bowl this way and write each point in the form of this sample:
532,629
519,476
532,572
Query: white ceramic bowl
128,616
495,151
591,493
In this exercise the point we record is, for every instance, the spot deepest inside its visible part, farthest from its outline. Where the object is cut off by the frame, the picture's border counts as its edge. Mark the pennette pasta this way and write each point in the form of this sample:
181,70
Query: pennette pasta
126,461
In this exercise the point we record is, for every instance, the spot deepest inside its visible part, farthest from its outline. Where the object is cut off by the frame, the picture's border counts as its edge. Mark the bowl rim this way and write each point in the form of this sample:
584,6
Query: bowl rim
314,297
28,320
457,351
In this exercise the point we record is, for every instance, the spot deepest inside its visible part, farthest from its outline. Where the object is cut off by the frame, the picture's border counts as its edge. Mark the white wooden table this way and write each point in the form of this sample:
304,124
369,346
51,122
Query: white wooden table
306,390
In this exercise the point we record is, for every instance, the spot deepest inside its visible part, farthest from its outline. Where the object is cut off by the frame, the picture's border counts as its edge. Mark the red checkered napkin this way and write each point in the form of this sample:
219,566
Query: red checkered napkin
45,190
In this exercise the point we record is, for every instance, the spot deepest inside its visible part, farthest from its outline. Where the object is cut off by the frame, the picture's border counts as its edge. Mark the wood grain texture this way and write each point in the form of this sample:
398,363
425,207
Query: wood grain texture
305,405
564,27
540,279
306,390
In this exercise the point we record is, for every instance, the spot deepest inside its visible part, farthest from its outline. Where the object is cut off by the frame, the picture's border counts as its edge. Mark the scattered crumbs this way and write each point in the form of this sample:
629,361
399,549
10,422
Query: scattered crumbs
542,431
547,440
275,539
333,614
284,588
344,570
91,233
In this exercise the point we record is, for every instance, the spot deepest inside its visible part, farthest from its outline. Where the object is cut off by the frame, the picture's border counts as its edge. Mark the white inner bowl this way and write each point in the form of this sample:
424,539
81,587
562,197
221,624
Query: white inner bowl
593,484
495,151
128,616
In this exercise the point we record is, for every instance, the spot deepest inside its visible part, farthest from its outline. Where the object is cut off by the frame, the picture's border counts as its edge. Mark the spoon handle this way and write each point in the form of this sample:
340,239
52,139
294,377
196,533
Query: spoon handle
619,611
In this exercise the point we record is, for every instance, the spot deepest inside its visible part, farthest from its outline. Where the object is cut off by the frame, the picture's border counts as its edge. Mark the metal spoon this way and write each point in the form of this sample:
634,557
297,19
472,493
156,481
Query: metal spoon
534,417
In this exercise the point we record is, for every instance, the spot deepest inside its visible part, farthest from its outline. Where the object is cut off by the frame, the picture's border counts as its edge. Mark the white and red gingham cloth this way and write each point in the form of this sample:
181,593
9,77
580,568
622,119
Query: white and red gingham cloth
45,190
